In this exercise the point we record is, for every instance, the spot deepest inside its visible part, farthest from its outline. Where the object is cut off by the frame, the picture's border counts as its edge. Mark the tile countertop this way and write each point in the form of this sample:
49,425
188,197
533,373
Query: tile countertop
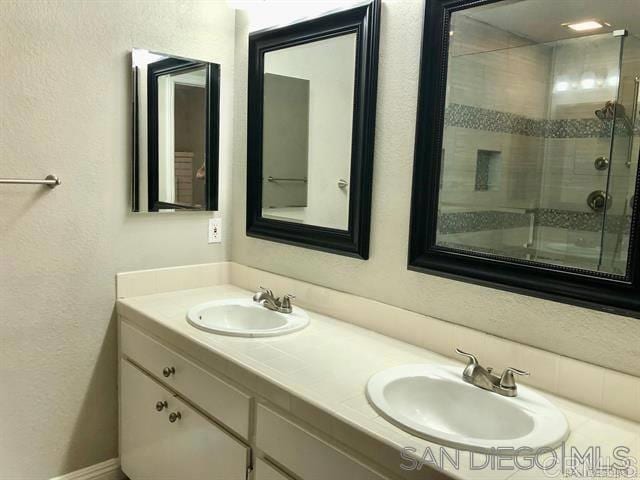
327,365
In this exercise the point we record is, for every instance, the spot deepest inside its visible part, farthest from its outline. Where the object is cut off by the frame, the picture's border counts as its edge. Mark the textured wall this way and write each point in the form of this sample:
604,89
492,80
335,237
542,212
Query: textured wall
64,108
600,338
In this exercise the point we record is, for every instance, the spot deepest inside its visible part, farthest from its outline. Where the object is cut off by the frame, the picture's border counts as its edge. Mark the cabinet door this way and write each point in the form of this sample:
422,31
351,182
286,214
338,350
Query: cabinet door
264,471
215,397
304,454
154,448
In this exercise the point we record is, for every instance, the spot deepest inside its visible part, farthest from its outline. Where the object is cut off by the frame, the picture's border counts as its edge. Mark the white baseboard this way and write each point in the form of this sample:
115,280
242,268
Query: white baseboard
107,470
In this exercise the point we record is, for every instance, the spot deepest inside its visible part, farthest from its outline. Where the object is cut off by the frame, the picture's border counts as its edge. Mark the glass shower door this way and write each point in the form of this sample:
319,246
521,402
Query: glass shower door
623,164
578,141
539,146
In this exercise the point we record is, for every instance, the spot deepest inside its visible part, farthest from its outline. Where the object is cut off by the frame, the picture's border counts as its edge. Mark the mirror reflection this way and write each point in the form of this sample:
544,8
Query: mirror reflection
541,137
176,133
308,93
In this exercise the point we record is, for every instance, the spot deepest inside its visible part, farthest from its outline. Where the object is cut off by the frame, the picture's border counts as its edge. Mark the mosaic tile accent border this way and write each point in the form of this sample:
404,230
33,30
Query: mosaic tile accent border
585,221
466,222
477,118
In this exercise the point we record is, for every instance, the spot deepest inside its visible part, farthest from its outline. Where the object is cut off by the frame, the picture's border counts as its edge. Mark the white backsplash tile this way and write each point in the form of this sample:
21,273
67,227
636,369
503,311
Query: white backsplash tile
148,282
579,381
573,379
621,394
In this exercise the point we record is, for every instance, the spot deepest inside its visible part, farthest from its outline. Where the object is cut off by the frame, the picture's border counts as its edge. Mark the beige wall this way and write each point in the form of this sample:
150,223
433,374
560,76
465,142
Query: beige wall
600,338
64,108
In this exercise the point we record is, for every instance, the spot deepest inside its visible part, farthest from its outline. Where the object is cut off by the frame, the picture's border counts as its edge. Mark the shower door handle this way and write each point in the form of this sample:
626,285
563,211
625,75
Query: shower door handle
634,115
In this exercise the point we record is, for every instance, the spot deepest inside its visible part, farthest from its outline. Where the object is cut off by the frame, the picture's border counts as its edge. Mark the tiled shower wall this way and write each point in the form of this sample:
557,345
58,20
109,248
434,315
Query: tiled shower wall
569,172
493,91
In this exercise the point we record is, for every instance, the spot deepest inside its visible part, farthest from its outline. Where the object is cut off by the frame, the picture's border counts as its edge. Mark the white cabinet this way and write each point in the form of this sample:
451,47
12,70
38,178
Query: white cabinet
218,426
152,447
216,398
304,454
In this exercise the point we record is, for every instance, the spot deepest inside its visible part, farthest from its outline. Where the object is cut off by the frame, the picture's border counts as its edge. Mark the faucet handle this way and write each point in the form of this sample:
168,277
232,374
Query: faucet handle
261,294
286,301
266,290
507,380
472,358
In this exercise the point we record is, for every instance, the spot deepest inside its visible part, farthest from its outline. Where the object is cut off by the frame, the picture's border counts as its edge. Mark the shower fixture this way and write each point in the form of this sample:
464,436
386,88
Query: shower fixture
601,163
610,110
634,117
616,110
599,201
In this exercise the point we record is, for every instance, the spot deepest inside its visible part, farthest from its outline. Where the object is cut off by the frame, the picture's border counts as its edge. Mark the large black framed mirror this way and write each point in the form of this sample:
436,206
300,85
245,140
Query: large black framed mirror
527,146
311,120
176,104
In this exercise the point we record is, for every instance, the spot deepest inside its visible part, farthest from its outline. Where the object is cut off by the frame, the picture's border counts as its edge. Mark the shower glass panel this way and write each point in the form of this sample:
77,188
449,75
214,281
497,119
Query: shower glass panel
540,151
623,168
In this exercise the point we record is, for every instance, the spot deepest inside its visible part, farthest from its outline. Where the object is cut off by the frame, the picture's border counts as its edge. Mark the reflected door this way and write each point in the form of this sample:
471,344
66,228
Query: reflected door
286,145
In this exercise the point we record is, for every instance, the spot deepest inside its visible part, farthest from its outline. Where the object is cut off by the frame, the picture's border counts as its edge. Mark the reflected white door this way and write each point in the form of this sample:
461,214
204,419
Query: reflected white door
166,139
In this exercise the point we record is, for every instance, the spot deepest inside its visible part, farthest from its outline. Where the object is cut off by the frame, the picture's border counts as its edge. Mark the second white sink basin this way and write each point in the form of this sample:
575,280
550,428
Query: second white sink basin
433,402
241,317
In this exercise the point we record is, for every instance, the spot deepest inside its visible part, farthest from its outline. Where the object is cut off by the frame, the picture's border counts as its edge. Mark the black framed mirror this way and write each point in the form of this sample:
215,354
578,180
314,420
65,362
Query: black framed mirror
527,147
311,120
176,104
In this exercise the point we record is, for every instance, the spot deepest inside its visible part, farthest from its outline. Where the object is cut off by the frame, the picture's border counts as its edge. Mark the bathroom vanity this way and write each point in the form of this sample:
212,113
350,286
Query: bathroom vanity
181,418
195,404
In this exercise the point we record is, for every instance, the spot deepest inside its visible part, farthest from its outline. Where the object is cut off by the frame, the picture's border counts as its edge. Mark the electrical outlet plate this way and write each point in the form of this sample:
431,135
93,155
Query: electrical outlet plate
215,230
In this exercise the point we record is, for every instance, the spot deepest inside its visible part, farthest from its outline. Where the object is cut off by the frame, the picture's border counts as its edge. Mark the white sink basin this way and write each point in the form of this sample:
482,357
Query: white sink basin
433,402
241,317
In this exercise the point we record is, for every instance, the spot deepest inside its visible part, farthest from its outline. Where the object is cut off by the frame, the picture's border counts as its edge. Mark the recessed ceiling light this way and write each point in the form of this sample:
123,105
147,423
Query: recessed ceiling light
584,26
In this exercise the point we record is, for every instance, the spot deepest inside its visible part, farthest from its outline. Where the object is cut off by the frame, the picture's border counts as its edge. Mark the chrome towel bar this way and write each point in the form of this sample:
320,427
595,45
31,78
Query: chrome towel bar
274,179
50,181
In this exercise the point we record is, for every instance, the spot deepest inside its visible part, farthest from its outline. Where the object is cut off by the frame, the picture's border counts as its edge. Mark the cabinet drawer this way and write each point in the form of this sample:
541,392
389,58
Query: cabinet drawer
152,447
264,471
219,399
303,453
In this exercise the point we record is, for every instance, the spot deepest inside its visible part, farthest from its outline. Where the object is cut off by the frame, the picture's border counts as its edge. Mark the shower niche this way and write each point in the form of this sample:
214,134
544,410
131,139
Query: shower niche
534,142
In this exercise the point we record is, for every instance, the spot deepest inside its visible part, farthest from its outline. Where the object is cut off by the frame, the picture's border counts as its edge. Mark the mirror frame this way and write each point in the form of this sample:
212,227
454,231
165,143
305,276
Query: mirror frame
364,20
596,290
174,64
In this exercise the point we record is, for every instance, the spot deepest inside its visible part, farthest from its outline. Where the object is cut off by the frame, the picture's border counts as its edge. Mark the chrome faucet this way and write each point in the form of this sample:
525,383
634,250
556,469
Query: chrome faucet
267,299
477,375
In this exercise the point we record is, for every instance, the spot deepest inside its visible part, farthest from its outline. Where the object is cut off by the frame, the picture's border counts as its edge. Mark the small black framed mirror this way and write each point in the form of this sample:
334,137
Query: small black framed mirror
176,104
311,120
527,147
